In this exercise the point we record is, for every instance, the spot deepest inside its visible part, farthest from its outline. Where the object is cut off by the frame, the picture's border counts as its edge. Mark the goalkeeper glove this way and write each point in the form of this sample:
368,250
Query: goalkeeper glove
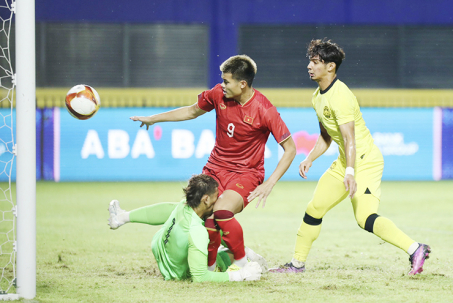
250,272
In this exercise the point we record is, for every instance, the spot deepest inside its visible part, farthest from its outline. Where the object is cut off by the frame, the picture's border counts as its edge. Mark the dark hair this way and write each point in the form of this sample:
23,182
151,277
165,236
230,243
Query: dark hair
199,185
327,51
242,67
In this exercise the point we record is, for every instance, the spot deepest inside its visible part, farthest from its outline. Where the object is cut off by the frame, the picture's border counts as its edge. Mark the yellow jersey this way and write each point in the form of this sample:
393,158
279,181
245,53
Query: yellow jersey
337,105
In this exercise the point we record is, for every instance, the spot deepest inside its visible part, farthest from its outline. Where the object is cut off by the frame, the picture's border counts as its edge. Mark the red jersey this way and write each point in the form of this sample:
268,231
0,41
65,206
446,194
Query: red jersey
241,131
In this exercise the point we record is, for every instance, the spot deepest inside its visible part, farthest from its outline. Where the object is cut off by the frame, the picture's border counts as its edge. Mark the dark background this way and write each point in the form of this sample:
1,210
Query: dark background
175,43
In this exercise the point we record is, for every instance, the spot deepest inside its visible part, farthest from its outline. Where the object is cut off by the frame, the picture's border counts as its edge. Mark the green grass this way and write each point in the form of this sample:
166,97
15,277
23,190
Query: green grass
79,259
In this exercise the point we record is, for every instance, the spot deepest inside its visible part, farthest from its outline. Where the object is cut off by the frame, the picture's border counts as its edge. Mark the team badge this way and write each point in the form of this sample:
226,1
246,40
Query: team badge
240,185
248,120
326,112
222,106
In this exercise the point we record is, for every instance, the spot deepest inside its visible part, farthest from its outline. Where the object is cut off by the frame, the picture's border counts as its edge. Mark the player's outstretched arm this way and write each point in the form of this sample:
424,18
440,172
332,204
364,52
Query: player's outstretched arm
197,258
348,132
179,114
322,144
263,190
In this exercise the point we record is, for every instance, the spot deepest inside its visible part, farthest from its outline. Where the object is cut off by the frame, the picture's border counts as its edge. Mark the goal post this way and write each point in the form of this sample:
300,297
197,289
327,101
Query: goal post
26,148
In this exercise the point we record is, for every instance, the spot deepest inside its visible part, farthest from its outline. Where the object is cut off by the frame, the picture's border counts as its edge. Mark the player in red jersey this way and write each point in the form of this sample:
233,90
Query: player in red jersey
245,118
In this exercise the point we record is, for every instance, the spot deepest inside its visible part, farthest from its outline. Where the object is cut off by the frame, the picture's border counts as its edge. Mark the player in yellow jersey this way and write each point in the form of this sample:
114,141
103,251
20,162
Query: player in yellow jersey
358,170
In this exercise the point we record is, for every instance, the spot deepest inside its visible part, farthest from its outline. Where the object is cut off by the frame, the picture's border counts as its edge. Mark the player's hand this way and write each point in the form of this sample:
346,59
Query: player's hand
251,272
145,121
261,192
304,166
350,184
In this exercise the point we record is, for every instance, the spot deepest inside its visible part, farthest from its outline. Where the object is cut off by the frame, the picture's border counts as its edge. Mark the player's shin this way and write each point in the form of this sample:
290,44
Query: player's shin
214,242
308,232
155,214
232,235
389,232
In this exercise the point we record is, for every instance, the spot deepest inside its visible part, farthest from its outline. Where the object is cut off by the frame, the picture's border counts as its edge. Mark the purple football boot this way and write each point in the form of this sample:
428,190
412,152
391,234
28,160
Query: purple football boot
288,268
418,258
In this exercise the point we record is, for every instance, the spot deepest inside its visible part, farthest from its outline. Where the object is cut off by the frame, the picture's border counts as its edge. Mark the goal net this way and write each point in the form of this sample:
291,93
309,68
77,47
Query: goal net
7,154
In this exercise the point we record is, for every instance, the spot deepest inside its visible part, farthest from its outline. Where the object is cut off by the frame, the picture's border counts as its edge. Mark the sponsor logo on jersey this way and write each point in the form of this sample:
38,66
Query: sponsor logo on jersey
240,185
326,112
222,106
248,120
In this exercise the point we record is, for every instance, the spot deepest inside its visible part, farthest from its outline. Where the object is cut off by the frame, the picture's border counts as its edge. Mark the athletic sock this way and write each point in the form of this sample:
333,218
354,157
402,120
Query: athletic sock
156,214
214,241
124,217
387,231
212,267
241,262
232,232
297,263
306,235
414,246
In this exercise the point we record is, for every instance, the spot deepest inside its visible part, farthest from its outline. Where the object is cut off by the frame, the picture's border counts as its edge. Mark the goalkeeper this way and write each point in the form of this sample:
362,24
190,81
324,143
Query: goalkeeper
181,245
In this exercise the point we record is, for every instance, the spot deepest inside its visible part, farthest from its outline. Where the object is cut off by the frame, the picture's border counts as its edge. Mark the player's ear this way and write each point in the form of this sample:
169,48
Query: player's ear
332,66
204,200
243,84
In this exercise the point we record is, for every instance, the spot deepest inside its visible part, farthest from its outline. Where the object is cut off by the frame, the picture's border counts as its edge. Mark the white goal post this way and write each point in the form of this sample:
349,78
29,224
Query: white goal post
26,148
18,220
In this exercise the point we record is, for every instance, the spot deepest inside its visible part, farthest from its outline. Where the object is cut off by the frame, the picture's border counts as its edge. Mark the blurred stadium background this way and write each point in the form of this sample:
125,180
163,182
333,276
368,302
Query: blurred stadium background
144,56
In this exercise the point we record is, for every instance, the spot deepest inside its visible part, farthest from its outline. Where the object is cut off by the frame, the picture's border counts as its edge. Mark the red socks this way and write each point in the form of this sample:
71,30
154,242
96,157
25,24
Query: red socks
232,232
214,241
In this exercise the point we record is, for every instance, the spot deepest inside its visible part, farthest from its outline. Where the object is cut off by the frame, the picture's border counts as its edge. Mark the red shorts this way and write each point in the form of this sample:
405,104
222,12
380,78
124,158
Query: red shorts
242,183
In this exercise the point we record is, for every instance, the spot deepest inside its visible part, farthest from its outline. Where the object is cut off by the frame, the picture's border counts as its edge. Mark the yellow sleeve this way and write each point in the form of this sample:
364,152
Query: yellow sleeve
313,103
343,107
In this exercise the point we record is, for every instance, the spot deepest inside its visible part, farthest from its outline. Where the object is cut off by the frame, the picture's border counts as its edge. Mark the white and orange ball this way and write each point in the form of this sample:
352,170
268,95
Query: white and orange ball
82,101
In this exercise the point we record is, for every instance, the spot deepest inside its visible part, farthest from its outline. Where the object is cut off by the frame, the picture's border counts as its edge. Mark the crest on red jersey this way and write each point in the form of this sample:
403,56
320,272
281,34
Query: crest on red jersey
248,120
222,106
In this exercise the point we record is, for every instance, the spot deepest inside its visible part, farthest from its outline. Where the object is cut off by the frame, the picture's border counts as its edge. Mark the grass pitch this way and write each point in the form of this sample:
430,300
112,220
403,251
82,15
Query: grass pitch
79,259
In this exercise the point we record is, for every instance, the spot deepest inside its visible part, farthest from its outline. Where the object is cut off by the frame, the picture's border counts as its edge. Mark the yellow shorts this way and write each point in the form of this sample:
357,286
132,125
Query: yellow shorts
368,172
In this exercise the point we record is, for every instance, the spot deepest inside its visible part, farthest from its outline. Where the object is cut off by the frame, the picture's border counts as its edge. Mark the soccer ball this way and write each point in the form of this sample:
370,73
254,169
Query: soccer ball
82,101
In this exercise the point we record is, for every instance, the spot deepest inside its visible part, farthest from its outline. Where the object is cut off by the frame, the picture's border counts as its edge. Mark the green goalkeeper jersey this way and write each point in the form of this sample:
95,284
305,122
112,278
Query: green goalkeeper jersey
181,247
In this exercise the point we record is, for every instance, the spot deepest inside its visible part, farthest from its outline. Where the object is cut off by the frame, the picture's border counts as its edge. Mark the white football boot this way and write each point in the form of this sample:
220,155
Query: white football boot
115,219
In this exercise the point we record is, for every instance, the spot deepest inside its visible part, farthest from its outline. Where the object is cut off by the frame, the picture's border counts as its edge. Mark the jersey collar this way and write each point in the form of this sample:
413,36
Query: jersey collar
192,211
327,89
248,101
